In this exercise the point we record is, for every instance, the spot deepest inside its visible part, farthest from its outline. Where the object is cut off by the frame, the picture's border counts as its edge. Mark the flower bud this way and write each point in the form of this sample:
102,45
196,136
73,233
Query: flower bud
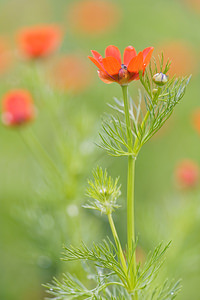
160,79
155,91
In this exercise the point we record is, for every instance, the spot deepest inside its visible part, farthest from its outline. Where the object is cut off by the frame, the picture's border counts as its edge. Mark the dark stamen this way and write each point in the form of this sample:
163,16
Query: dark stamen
124,66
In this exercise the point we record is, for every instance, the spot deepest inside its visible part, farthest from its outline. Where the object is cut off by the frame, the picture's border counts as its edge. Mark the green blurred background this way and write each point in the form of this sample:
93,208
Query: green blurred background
39,212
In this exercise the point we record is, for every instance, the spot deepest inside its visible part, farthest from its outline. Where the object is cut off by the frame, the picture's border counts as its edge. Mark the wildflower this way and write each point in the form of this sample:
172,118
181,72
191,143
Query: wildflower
39,41
17,108
187,174
111,68
94,16
160,79
71,73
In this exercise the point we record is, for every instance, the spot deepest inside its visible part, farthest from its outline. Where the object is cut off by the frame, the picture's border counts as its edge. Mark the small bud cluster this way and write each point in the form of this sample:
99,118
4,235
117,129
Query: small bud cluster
104,191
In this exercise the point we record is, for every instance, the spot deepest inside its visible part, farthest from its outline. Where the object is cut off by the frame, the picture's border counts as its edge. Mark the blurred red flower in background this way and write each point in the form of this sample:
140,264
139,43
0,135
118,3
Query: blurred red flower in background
39,41
187,174
196,120
111,68
71,73
94,16
182,56
17,108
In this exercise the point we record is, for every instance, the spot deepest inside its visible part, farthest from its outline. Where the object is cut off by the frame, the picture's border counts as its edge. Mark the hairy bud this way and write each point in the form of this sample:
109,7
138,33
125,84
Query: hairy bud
160,79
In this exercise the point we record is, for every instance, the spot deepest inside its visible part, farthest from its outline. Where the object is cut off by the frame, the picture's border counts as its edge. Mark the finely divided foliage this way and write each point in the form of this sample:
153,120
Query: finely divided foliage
159,104
110,280
111,273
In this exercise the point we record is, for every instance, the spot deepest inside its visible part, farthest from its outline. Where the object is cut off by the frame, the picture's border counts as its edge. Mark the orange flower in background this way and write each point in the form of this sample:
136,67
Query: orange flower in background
194,4
71,73
39,41
111,68
140,255
94,16
182,56
196,120
4,55
187,174
17,108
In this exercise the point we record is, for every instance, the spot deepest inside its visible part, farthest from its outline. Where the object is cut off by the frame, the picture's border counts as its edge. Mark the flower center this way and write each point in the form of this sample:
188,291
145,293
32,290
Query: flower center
123,75
123,66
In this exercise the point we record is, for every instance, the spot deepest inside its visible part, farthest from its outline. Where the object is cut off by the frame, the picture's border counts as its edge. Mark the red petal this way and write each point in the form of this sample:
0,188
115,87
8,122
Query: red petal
136,63
111,65
96,62
147,53
96,55
129,53
105,78
114,52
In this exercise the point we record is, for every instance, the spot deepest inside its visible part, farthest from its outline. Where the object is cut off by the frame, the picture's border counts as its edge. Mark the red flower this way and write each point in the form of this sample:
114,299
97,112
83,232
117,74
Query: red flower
17,108
111,68
39,41
187,174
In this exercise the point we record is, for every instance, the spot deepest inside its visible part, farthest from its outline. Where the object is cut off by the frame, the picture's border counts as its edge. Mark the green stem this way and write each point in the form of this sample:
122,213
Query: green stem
130,218
130,198
117,242
127,115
